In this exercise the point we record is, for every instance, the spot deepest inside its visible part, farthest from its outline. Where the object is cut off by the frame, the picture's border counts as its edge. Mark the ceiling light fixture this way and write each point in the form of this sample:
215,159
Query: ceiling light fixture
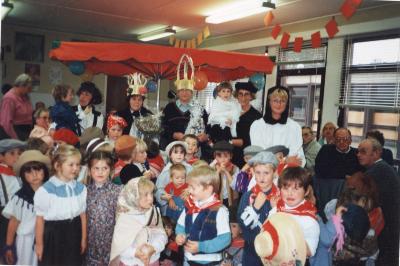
5,8
158,34
240,10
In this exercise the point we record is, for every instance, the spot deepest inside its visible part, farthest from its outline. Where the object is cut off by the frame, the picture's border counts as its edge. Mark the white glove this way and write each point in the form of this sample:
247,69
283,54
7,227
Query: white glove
249,216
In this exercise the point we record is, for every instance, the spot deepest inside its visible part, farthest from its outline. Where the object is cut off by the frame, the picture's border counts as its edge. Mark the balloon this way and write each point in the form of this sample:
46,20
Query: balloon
87,76
77,67
142,90
258,80
151,85
200,80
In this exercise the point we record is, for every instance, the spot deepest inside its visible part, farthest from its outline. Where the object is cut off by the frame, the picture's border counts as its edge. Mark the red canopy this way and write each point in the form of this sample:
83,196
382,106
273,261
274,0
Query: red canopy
118,59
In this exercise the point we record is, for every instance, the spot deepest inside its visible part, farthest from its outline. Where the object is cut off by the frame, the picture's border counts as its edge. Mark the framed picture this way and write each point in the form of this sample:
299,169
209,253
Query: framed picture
29,47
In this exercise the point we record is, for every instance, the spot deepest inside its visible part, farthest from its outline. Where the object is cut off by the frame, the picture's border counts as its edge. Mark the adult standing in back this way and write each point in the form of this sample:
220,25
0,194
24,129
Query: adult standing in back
16,109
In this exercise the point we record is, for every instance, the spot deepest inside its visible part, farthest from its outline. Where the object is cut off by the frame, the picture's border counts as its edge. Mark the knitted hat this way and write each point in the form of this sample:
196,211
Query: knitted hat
248,86
136,84
252,150
187,82
263,157
356,222
89,134
116,120
125,142
281,241
174,143
31,156
278,148
222,145
10,144
66,135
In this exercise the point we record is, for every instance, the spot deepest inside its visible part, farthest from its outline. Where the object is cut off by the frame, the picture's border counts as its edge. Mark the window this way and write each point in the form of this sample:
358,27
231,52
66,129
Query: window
205,97
370,91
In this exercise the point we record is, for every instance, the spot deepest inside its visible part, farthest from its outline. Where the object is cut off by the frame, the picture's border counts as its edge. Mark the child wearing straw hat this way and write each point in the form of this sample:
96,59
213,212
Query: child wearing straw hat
33,168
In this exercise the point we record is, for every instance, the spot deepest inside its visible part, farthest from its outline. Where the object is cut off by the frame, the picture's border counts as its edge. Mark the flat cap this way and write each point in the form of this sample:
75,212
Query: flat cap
264,157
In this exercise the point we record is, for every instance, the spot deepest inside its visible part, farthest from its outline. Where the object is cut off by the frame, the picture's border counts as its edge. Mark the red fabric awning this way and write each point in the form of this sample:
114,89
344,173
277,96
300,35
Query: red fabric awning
118,59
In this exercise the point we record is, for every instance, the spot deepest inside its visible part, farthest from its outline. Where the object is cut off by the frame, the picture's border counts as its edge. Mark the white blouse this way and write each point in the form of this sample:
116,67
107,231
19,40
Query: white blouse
58,200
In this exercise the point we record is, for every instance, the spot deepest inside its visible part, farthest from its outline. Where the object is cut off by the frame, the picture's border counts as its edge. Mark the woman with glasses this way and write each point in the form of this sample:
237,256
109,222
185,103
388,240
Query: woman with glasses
41,128
276,128
245,92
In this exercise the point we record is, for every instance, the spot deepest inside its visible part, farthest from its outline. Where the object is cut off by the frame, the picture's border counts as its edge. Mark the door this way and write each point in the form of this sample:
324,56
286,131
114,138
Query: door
116,94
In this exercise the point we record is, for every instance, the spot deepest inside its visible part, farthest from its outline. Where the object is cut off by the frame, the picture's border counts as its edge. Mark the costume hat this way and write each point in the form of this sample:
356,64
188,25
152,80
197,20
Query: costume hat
186,82
248,86
66,135
281,241
93,90
252,150
136,84
31,156
263,157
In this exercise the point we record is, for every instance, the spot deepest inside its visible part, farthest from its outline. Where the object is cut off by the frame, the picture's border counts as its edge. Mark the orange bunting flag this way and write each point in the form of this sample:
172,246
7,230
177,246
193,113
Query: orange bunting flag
199,38
206,32
188,44
268,18
193,43
171,40
183,43
285,40
177,43
298,43
275,31
348,9
316,40
332,28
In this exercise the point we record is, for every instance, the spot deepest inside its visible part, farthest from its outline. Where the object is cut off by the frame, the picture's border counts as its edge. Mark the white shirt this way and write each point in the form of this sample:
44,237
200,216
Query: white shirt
87,119
289,135
57,200
12,185
222,110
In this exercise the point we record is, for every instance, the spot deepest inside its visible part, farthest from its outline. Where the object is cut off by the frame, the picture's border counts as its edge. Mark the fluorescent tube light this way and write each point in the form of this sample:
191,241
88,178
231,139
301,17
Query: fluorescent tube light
154,35
5,8
240,10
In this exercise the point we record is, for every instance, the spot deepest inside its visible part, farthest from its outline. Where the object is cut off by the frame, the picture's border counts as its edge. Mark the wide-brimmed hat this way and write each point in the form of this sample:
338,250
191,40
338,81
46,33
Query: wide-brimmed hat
281,241
92,89
10,144
174,143
31,156
263,157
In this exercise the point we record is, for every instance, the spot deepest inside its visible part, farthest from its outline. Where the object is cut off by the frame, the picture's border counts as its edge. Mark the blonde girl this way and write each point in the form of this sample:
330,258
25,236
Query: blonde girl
60,206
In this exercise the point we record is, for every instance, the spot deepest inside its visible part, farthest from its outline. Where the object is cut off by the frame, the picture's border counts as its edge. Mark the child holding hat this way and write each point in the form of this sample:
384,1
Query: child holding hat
33,168
255,204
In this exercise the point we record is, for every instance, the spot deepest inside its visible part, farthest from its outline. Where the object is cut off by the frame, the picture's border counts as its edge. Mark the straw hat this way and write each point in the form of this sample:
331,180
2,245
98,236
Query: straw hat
31,156
281,241
187,82
136,84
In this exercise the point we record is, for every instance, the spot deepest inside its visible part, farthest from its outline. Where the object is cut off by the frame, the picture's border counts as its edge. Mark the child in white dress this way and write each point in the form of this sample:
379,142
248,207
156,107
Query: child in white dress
32,166
224,114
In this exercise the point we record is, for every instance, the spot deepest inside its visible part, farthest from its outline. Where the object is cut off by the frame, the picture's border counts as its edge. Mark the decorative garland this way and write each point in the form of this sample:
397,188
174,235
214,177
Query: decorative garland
192,43
348,8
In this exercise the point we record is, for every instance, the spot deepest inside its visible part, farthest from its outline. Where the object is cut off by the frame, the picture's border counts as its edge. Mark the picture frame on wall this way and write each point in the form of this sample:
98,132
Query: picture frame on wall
29,47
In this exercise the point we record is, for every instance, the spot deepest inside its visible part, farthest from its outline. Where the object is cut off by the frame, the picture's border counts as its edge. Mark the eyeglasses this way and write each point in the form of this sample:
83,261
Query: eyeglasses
342,139
243,94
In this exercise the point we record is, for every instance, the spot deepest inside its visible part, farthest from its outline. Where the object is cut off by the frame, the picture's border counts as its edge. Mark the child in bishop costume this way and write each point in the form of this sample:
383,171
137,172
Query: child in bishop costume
32,166
203,227
255,204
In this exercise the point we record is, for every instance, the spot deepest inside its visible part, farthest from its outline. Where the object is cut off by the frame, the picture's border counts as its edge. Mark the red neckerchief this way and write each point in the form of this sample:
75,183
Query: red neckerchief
192,208
173,246
237,242
177,191
5,169
305,209
256,189
193,160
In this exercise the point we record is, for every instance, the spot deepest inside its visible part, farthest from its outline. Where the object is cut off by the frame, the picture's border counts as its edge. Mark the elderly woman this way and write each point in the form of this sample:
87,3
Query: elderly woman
135,110
89,95
276,128
327,134
16,109
41,127
244,92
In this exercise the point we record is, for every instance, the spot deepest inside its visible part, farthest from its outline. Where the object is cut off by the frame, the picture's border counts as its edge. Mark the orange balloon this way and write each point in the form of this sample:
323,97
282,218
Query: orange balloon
200,80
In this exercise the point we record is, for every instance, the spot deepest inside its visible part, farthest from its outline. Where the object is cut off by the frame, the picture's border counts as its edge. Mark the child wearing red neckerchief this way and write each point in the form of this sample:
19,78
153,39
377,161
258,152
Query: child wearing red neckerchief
176,191
227,172
203,227
294,185
255,204
192,148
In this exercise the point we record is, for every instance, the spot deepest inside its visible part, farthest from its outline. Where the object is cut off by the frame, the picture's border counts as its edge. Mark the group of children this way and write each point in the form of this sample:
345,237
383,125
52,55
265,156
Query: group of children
212,213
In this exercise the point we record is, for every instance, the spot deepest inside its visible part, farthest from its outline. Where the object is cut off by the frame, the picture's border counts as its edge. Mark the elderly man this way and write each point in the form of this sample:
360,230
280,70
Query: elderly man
310,147
387,181
333,163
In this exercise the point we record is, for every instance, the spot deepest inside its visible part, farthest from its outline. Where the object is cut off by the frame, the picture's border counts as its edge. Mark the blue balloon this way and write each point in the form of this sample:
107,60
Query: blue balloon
77,67
258,80
151,85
